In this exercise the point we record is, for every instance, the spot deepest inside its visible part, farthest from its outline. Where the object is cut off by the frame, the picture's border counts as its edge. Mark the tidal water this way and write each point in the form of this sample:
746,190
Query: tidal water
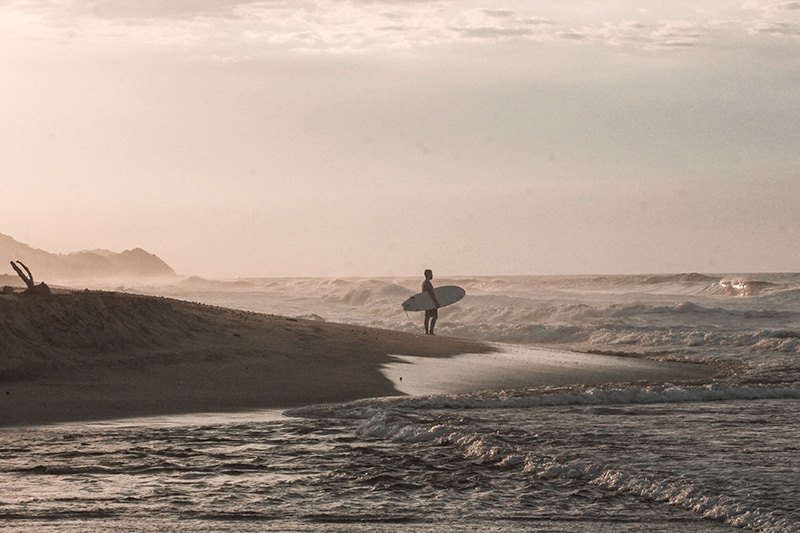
717,455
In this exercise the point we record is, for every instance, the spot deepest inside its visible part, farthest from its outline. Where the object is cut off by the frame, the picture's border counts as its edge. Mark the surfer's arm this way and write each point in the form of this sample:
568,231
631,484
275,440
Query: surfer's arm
435,301
429,290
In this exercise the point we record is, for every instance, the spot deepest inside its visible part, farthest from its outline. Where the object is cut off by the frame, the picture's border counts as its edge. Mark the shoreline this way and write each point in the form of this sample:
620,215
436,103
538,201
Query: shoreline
94,355
520,367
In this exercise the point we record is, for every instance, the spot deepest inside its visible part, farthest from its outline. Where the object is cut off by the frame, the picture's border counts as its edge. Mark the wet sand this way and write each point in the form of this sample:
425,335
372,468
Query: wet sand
80,356
525,367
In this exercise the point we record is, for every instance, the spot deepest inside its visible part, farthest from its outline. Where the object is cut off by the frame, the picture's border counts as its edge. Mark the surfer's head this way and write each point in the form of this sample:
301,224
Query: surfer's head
428,274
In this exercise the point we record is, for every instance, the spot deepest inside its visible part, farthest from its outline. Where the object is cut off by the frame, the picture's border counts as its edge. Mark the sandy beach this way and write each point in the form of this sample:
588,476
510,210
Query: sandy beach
90,355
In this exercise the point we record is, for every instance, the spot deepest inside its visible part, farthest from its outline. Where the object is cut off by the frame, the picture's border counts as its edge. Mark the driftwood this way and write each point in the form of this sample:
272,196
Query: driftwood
27,277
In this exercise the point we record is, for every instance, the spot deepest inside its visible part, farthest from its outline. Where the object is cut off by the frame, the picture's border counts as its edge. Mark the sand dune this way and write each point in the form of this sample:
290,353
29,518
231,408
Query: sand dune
100,355
97,355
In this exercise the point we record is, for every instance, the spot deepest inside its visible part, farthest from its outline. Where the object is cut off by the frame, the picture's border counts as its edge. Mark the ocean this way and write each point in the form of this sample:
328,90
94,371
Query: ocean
721,454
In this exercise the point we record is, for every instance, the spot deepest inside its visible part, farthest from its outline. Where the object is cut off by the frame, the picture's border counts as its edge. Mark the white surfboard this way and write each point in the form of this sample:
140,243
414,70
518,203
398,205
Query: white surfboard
446,295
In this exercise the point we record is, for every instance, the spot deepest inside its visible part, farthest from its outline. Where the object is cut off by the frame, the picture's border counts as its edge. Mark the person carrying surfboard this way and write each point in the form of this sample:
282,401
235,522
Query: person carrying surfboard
431,315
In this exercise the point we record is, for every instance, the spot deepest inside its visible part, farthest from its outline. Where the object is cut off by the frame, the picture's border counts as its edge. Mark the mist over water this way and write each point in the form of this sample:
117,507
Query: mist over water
712,455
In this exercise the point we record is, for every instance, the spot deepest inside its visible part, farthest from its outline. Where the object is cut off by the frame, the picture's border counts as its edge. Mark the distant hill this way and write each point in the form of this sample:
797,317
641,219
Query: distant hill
89,264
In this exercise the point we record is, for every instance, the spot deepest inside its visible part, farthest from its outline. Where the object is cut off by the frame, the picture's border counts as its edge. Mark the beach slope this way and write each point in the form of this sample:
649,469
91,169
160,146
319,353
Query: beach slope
95,355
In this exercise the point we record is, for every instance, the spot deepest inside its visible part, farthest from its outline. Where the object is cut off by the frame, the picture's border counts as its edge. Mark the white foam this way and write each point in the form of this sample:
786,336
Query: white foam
732,511
548,397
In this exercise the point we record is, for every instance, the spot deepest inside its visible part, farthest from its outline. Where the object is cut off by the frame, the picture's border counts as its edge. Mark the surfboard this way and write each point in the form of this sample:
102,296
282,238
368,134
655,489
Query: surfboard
446,295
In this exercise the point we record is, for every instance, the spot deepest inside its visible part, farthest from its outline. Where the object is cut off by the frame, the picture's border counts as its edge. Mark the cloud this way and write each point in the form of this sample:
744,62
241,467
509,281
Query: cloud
777,20
127,10
497,25
769,10
489,33
499,13
664,34
786,29
252,28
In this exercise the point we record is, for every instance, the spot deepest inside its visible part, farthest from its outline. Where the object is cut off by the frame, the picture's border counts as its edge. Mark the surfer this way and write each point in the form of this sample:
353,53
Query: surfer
431,315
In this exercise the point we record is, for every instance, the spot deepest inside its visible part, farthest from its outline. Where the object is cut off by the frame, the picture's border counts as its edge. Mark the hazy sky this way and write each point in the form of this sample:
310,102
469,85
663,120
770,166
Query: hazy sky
371,138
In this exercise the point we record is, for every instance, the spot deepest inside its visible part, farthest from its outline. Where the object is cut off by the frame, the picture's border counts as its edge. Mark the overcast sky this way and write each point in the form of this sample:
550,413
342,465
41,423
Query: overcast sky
378,138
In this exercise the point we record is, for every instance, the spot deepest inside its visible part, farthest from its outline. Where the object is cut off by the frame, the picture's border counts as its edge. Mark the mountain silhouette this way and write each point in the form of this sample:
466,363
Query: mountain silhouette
87,264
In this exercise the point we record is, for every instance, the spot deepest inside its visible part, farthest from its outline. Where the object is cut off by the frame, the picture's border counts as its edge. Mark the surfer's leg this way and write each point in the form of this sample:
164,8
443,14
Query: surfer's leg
430,321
